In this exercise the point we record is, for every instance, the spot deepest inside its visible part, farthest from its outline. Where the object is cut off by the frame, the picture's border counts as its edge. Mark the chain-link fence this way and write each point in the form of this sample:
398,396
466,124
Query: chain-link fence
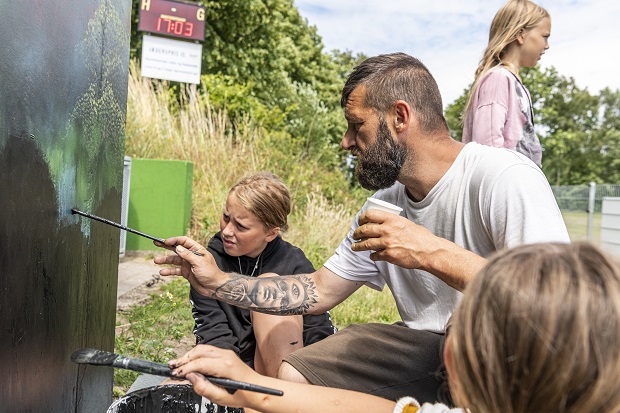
581,208
584,198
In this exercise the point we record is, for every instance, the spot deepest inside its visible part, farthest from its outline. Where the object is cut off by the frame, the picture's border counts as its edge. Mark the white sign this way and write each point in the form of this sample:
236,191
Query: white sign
168,59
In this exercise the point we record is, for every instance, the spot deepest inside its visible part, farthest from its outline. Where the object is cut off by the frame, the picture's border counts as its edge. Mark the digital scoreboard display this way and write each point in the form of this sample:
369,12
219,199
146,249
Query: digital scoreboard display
172,18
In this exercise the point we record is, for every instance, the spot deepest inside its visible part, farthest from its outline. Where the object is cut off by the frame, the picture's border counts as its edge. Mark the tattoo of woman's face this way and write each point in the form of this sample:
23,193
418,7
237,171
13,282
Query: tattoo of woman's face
292,294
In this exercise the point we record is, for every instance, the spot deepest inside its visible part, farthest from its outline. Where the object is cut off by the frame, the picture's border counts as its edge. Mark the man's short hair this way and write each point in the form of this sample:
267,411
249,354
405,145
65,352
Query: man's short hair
398,76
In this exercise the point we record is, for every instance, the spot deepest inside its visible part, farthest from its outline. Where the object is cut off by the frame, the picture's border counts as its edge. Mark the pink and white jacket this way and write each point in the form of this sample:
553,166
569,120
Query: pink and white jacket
501,115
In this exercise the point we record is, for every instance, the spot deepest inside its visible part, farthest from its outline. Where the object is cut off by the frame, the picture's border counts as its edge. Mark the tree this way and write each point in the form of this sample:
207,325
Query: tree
609,129
265,43
454,116
265,50
567,119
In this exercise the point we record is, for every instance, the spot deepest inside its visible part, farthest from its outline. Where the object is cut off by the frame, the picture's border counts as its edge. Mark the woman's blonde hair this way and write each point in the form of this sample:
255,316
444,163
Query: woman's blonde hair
509,21
538,330
266,196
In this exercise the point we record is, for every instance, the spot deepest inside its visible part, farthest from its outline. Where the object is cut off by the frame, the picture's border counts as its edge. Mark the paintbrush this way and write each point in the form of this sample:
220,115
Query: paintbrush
105,358
114,224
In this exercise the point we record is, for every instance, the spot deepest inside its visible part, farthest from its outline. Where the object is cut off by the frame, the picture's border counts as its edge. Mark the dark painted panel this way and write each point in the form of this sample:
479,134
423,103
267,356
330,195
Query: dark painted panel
63,91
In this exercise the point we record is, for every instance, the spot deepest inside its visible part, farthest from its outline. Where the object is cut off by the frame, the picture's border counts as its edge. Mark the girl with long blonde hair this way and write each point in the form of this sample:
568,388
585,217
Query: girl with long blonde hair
499,110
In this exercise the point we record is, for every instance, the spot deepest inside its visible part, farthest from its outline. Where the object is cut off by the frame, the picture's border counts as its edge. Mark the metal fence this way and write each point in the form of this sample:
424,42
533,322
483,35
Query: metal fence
587,199
584,198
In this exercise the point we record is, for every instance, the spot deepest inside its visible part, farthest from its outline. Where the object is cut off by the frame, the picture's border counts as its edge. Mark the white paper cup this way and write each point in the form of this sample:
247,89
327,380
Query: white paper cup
374,203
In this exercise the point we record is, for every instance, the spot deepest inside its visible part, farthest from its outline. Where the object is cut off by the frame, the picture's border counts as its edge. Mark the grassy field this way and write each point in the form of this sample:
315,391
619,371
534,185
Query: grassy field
577,225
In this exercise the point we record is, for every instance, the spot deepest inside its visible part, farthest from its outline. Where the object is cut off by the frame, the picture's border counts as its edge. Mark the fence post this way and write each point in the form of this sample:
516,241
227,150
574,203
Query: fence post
591,206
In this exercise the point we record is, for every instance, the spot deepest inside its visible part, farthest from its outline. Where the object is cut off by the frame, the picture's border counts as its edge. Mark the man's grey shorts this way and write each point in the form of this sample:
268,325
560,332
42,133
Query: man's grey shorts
387,360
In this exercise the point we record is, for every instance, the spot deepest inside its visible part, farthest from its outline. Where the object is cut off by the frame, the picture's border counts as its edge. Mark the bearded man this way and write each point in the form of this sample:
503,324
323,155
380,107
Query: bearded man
461,203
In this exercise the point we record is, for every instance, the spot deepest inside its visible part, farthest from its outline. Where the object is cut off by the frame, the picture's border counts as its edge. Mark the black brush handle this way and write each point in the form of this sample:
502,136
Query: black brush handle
117,225
142,366
158,369
114,224
239,385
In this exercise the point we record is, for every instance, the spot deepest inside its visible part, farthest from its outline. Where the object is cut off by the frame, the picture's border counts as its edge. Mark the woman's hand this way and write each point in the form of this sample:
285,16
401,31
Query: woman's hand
213,361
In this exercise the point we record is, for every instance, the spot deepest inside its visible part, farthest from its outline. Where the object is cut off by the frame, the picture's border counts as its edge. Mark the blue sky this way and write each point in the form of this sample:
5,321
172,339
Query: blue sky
449,36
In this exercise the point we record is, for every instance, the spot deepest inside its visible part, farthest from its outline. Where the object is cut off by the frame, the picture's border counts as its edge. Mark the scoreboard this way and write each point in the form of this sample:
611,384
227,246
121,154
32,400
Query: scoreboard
172,18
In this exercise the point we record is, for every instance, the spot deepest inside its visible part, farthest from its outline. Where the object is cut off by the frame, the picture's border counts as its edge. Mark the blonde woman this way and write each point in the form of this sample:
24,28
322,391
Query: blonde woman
499,110
538,330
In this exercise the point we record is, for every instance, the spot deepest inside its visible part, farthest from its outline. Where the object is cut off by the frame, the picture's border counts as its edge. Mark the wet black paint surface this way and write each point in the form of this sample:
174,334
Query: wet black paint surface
61,143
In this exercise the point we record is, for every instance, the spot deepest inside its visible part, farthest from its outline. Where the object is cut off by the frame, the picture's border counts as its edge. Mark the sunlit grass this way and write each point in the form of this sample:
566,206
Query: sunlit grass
366,306
577,225
157,331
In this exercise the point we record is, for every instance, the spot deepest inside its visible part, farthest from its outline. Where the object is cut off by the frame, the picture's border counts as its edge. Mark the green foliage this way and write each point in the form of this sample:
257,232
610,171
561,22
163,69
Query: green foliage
578,130
454,116
307,174
264,64
239,103
608,134
560,105
263,41
568,116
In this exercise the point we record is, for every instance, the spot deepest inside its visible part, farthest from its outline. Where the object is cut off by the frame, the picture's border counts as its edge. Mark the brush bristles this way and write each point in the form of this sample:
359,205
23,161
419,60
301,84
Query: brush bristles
93,356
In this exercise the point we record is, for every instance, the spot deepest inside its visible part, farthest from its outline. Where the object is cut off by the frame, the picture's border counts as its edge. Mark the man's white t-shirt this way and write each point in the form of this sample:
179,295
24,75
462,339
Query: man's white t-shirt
489,199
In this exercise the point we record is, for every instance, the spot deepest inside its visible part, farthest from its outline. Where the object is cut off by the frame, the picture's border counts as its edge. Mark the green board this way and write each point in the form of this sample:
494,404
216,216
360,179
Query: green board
160,200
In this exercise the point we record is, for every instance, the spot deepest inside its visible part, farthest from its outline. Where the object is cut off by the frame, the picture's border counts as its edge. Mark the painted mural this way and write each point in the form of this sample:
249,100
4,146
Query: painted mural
63,91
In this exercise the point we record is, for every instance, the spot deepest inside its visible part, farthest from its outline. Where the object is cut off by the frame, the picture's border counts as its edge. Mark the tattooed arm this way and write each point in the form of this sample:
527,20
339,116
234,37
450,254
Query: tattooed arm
284,295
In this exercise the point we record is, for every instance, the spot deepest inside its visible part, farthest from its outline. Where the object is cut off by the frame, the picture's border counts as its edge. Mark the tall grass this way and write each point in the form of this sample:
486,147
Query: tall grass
160,126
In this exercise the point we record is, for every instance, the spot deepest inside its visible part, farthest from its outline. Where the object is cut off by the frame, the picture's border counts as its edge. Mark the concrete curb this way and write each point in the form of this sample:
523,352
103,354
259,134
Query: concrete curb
135,269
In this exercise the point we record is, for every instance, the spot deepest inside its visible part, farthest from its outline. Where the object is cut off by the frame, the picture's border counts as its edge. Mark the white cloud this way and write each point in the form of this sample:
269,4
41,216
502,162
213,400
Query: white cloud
449,35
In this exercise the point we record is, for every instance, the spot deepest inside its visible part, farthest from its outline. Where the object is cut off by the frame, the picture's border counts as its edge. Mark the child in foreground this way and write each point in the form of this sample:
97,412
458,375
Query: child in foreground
538,330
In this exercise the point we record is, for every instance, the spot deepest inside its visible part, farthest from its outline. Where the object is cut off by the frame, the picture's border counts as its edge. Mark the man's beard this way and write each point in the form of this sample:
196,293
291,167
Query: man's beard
379,165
